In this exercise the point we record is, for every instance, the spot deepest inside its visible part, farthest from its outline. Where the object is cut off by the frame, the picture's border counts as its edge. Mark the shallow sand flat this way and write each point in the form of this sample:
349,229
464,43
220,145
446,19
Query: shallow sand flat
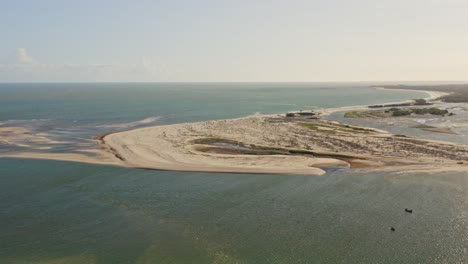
93,156
22,137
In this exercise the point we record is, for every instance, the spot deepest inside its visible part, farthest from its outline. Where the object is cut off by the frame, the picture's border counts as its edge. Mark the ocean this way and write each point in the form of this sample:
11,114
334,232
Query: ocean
66,212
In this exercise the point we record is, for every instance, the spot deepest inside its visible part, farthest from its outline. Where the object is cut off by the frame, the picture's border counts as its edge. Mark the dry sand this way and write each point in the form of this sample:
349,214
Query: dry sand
174,147
170,148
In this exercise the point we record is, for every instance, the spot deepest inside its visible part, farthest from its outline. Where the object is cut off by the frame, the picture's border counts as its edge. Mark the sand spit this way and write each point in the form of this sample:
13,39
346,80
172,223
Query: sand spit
432,96
97,156
277,144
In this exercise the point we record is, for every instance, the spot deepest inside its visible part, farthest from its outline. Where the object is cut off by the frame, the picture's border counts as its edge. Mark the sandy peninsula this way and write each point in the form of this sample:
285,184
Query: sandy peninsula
277,144
304,143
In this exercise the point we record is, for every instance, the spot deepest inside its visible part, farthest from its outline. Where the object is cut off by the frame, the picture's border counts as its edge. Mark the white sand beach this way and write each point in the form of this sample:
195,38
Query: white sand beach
322,143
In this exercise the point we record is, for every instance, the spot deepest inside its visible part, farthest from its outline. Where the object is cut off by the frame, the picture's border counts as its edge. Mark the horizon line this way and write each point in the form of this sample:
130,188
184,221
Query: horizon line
227,82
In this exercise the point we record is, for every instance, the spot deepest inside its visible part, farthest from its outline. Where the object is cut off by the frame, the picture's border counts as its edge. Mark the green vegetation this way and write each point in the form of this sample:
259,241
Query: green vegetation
210,141
419,111
361,129
228,146
322,155
397,112
421,102
364,114
432,111
458,97
207,145
319,127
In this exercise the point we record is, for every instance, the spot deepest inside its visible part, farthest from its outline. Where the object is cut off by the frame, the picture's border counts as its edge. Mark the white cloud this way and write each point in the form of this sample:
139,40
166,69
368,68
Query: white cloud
22,57
24,67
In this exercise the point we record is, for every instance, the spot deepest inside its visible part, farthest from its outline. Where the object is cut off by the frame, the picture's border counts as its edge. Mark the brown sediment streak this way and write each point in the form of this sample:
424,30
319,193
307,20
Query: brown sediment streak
102,136
101,139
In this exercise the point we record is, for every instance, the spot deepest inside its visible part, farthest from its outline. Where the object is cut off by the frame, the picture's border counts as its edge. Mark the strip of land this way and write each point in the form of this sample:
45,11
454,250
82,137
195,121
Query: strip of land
432,96
278,144
454,93
297,143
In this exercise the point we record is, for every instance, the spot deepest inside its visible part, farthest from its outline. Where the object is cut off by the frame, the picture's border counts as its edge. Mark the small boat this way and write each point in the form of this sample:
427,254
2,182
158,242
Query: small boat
408,210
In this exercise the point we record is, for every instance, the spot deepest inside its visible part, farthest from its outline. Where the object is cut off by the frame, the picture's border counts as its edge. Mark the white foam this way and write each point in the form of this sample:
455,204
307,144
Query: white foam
145,121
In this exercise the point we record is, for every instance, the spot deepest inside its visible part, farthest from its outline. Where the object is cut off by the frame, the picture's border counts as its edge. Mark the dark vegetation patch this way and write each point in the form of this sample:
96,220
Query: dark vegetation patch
228,146
301,114
419,111
458,97
209,141
415,102
212,145
397,112
390,105
236,151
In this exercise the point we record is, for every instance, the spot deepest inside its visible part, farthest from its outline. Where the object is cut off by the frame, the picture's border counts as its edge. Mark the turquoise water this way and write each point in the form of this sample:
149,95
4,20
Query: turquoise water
98,104
74,113
64,212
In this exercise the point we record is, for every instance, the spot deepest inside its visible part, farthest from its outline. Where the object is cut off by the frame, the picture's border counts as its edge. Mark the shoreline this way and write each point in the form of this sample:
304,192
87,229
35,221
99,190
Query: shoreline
432,95
131,148
211,146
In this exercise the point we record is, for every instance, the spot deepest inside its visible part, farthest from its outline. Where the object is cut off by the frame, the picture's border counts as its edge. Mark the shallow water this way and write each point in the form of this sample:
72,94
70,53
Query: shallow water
116,215
405,126
64,212
73,113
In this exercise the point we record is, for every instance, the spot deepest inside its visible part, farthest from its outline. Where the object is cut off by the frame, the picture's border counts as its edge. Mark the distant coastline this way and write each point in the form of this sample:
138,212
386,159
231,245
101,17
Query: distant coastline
454,93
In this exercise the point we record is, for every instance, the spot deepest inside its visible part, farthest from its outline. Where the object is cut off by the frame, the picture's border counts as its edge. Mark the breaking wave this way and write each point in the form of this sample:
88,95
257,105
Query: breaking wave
143,122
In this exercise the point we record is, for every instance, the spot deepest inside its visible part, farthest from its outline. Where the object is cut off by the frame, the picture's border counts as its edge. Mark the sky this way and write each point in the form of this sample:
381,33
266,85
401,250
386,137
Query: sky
239,41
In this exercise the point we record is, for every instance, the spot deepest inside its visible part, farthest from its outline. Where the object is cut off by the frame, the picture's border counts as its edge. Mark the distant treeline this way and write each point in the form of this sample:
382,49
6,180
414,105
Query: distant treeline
415,102
458,92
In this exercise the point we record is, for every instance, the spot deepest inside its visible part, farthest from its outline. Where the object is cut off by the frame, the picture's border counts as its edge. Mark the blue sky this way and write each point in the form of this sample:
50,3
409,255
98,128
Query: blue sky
347,40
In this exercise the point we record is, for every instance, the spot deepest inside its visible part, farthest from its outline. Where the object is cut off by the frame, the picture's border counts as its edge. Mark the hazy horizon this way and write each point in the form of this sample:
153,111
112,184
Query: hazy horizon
242,41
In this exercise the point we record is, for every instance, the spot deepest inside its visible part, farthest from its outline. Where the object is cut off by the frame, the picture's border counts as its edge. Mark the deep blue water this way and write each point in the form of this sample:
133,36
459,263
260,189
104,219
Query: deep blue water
64,212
